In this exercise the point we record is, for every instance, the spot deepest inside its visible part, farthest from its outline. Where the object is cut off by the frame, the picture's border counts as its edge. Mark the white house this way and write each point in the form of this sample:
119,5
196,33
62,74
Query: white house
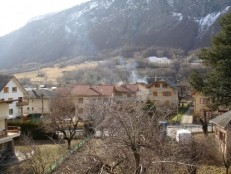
11,90
7,134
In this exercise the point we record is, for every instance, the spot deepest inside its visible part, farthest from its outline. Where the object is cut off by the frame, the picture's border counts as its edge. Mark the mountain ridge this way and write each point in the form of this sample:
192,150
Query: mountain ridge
98,25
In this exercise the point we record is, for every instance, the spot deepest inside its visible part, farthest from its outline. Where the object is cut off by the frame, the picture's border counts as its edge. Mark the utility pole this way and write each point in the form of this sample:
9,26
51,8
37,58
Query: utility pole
177,99
42,104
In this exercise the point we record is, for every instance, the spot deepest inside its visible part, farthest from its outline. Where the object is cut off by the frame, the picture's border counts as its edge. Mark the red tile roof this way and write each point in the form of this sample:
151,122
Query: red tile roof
127,88
98,90
92,90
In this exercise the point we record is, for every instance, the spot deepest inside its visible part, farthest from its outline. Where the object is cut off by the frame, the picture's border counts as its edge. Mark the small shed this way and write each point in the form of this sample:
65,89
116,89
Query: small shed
223,131
183,136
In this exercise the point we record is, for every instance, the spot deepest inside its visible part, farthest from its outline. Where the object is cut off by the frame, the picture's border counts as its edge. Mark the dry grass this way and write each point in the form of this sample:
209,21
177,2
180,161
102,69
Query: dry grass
50,153
213,166
52,73
207,169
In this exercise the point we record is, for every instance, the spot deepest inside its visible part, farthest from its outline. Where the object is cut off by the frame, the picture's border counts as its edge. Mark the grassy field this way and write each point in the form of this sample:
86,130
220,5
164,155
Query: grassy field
40,157
52,73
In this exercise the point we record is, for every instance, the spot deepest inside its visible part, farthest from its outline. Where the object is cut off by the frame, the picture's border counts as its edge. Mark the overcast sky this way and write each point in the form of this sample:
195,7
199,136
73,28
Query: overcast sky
15,13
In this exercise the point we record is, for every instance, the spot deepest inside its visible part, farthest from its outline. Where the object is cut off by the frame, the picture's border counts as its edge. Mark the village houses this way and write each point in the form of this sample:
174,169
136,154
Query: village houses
163,91
39,101
11,90
201,107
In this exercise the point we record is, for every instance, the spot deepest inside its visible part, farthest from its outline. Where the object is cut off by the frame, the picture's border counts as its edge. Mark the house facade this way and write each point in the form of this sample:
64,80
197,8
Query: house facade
201,107
7,134
163,92
143,92
11,89
39,101
125,91
223,132
84,94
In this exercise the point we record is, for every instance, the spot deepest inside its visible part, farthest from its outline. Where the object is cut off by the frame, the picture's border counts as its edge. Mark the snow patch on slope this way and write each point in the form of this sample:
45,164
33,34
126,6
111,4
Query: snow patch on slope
107,4
178,16
159,60
170,2
206,22
67,29
91,5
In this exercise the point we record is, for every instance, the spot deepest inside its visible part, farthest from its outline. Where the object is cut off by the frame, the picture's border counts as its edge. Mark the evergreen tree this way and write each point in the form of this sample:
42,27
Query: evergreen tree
196,81
217,83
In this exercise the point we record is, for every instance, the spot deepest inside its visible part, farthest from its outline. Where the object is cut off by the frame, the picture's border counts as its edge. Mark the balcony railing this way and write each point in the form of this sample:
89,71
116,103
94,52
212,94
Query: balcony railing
13,129
22,103
3,134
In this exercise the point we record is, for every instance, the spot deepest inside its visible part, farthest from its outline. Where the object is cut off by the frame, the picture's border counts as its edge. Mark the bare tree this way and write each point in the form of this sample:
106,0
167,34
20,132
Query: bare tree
136,141
204,123
63,119
35,159
182,92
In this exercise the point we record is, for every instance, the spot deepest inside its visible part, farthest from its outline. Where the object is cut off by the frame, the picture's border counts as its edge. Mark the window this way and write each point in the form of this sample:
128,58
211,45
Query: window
80,110
32,108
6,89
154,93
202,100
167,93
28,108
220,112
19,99
165,86
157,85
11,112
80,100
14,89
208,113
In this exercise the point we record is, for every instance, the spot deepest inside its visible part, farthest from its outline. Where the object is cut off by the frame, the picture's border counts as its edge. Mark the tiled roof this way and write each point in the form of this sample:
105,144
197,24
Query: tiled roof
39,93
127,88
92,90
170,83
4,79
222,120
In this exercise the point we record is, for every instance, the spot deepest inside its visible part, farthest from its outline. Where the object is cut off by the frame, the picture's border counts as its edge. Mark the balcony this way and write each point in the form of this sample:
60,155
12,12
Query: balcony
13,129
3,134
22,103
12,132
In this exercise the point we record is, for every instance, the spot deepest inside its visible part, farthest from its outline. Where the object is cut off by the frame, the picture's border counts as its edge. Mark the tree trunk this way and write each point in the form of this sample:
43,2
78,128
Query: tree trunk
68,144
136,155
227,170
192,170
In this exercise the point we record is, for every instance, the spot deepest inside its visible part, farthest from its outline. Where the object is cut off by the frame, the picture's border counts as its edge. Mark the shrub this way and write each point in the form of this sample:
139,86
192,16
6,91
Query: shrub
33,129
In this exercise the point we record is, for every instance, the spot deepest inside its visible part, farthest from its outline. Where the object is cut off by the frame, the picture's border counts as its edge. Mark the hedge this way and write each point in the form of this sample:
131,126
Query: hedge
33,129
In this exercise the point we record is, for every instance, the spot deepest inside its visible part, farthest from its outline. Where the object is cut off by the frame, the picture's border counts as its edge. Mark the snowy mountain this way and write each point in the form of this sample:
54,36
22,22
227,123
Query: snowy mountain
100,25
